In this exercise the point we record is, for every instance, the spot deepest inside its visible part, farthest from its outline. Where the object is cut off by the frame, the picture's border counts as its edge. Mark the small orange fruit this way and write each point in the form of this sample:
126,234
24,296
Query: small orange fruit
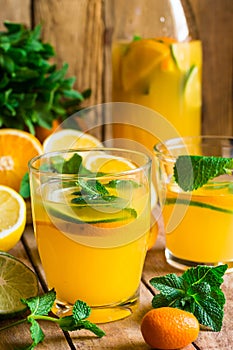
17,147
169,328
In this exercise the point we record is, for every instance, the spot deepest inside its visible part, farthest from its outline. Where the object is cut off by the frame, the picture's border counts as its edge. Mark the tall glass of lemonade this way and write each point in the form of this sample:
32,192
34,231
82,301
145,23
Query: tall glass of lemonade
91,215
157,63
196,187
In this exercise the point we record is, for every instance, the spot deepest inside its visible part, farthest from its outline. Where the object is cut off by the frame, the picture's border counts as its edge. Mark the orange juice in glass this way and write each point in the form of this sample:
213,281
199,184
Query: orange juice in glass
91,214
198,223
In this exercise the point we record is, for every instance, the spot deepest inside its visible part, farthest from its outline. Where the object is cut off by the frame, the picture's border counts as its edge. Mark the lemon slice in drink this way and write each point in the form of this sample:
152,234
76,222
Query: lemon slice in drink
16,281
140,58
192,88
69,139
186,54
106,163
13,217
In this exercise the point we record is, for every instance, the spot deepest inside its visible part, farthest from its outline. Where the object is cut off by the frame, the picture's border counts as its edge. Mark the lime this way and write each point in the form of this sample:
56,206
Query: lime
186,54
87,214
192,87
16,281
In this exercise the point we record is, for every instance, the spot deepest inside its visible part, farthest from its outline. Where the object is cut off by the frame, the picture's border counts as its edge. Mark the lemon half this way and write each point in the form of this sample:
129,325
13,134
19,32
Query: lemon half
69,139
13,217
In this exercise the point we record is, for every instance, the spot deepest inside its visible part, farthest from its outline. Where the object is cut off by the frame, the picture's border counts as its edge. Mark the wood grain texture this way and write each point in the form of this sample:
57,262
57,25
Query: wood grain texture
75,29
214,20
16,11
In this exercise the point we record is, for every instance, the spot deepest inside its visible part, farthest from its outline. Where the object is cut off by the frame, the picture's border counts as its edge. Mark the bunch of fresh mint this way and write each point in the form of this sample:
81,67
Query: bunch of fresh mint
40,306
197,291
33,91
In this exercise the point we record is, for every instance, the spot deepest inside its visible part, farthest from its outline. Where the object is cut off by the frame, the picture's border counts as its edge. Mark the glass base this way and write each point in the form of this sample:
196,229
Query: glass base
183,264
101,314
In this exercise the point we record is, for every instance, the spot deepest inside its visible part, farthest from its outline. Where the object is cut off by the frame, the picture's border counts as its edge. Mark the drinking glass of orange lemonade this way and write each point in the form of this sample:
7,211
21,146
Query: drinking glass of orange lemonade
91,215
196,187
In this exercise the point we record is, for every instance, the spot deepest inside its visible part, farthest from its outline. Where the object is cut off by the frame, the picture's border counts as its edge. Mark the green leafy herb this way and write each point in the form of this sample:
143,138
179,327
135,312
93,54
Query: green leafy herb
94,193
192,172
137,37
33,91
24,189
197,290
92,187
122,183
40,307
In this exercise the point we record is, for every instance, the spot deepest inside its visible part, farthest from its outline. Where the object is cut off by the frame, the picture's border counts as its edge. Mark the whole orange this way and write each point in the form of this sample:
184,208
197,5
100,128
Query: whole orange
169,328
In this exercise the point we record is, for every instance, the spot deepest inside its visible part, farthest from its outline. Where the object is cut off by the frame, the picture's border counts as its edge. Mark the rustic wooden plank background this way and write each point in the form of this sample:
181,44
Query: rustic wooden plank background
79,31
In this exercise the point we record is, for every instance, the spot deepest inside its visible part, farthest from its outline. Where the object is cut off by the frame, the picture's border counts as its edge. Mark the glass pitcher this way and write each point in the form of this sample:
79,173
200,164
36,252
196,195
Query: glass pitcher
157,62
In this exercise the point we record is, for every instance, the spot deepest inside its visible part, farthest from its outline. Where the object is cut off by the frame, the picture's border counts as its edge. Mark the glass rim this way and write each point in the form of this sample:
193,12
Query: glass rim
34,169
184,141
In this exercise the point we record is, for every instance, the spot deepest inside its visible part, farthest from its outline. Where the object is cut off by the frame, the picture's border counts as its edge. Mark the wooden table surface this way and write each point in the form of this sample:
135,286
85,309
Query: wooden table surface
124,334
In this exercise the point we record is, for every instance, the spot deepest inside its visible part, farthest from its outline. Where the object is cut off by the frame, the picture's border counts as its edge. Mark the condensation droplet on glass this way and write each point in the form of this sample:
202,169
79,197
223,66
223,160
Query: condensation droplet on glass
162,19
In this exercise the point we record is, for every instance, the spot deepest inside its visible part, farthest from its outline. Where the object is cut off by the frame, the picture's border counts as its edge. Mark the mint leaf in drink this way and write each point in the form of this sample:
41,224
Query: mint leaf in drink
92,188
192,172
122,184
72,166
197,290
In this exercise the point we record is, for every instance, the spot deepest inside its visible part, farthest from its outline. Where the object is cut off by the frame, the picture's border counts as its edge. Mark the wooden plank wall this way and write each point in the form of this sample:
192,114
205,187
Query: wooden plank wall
79,31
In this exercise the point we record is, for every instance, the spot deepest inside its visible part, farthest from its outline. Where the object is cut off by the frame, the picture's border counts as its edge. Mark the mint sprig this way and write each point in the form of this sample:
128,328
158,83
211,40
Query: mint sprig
40,307
197,290
192,172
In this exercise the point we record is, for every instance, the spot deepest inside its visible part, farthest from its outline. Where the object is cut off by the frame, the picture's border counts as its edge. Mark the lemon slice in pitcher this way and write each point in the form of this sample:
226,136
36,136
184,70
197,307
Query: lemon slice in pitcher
16,281
139,60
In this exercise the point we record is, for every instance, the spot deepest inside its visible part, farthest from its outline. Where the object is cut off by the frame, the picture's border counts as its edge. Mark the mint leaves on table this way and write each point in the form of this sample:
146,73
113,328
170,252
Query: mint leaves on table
192,172
40,306
197,290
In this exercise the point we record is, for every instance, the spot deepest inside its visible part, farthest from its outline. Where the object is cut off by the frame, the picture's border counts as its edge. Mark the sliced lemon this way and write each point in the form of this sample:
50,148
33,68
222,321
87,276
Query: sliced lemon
106,163
139,60
186,54
192,88
16,281
13,217
69,139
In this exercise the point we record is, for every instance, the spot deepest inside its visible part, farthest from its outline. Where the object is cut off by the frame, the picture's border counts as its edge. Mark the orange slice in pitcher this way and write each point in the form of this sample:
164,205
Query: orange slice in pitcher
140,59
